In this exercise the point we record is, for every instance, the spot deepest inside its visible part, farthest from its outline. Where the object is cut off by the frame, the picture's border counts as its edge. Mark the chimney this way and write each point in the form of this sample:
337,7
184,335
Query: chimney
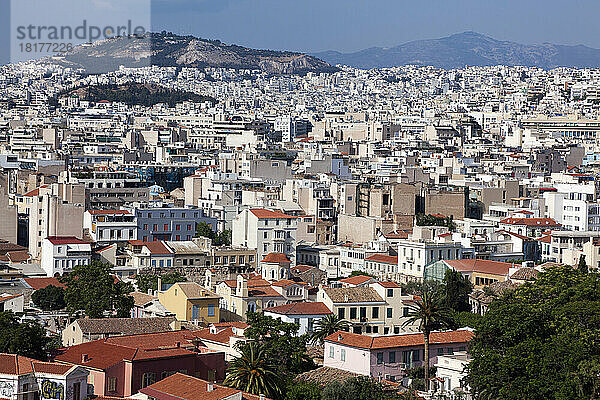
262,397
159,284
346,297
177,344
84,358
209,387
340,337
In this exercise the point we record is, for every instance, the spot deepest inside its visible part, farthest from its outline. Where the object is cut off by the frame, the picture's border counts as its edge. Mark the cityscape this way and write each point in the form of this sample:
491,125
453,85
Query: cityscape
183,218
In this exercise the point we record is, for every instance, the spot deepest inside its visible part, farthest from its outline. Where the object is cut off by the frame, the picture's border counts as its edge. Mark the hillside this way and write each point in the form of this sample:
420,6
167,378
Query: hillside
166,49
468,48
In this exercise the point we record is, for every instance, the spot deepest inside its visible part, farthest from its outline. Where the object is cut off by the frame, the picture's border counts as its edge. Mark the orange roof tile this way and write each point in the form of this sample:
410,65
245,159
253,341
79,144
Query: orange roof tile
276,258
395,341
383,258
301,308
482,266
262,213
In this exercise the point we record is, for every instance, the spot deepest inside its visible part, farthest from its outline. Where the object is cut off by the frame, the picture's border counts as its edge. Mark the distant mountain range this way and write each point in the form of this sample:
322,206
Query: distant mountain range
468,48
166,49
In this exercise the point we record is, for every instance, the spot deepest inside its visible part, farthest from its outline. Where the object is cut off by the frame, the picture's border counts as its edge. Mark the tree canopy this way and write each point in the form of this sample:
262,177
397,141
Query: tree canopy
455,291
50,298
26,338
280,342
145,282
93,289
540,341
218,238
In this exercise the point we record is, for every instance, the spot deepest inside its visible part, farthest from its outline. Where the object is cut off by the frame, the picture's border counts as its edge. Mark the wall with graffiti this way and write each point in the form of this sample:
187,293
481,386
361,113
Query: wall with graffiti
52,390
7,388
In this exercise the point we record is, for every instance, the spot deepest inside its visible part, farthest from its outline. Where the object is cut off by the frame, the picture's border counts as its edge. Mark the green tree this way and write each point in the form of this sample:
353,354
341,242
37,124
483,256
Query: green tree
358,388
94,289
537,341
25,338
302,391
455,291
326,326
205,230
281,343
430,313
145,282
223,238
582,265
50,298
254,372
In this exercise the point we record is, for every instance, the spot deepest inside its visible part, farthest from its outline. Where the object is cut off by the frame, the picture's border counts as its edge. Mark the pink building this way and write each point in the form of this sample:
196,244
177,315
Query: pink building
388,357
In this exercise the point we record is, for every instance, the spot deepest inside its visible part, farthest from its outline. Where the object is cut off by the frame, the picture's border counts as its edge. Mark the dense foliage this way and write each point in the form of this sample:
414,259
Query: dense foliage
455,291
326,326
540,341
359,388
435,220
254,372
218,238
93,289
24,338
137,94
146,282
50,298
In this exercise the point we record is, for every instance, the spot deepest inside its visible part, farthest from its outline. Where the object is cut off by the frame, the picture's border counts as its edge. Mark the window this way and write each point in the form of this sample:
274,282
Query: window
343,355
380,357
211,310
363,312
440,352
166,227
389,313
331,352
154,227
375,313
352,312
375,329
341,313
450,350
148,379
390,293
112,384
392,356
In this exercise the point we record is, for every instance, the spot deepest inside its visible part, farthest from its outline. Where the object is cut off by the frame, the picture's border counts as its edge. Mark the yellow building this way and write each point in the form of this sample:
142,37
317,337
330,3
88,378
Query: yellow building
191,302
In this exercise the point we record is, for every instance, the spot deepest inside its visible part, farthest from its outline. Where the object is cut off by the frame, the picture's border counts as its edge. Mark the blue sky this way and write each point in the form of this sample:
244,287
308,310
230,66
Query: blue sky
348,25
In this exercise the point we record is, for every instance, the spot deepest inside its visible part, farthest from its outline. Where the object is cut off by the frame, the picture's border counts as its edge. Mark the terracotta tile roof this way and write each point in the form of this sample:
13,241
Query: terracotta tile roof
357,280
545,239
12,296
51,368
12,364
124,326
389,285
265,291
396,341
109,212
530,221
58,240
40,283
6,247
353,295
288,282
140,298
100,355
185,387
525,274
383,258
262,213
192,290
276,258
157,247
514,234
302,308
35,192
18,256
481,266
235,324
222,335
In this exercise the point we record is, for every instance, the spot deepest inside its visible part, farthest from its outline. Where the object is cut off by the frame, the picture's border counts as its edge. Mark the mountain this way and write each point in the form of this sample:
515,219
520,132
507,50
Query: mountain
167,49
467,48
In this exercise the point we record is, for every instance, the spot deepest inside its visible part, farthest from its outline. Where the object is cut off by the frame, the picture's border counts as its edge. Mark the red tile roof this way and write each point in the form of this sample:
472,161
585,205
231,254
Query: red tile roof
58,240
108,212
530,221
383,258
185,387
303,308
157,247
357,280
396,341
40,283
389,285
18,256
12,364
481,266
6,298
262,213
276,258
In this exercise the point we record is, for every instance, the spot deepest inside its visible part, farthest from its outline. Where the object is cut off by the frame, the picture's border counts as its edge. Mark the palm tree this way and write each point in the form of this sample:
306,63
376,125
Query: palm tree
326,326
252,372
431,315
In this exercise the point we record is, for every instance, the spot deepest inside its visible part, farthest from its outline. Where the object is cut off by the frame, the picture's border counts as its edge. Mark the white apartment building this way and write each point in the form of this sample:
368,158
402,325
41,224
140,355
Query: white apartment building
575,211
266,231
60,254
109,226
